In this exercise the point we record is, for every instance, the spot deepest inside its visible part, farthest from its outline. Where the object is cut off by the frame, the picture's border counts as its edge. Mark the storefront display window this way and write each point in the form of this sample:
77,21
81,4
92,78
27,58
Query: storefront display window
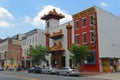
90,58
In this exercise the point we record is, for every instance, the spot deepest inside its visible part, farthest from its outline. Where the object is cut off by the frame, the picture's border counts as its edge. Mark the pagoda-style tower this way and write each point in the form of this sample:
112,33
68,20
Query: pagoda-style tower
52,19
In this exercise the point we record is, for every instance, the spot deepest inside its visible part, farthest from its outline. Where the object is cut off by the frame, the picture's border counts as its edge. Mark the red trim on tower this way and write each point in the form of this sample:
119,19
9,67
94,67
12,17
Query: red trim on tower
69,36
47,38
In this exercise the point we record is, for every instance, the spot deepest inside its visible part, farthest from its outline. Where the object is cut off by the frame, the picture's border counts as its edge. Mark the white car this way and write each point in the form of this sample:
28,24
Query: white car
68,71
48,70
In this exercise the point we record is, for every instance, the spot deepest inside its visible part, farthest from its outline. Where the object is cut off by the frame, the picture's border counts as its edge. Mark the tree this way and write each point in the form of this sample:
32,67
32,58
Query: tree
12,61
79,53
38,54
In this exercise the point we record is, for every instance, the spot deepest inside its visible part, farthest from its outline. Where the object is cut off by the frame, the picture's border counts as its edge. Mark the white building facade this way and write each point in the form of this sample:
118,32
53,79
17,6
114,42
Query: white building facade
58,39
31,39
3,52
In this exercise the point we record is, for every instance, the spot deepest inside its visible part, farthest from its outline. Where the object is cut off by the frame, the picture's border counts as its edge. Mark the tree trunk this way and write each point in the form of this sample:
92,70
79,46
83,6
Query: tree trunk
80,65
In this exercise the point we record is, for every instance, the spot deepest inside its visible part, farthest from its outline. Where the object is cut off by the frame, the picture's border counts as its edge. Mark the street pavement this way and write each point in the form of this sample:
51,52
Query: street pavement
7,75
109,76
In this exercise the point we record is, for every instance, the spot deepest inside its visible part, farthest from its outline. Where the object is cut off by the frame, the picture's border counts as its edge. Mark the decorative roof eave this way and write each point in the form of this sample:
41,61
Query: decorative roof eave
84,13
68,26
55,50
57,47
52,14
47,33
57,35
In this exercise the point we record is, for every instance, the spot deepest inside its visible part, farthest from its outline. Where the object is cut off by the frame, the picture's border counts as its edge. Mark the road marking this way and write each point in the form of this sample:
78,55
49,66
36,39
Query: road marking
32,79
20,77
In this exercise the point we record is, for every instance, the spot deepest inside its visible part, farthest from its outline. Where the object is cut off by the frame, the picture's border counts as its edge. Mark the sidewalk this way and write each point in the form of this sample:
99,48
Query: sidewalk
107,76
90,73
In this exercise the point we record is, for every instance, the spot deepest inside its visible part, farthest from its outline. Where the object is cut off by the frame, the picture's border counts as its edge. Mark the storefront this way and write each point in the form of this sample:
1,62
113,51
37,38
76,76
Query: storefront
57,58
110,64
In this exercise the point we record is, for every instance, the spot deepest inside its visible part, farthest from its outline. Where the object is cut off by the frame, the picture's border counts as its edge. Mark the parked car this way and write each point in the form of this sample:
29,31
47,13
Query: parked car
1,69
49,70
34,70
18,68
67,71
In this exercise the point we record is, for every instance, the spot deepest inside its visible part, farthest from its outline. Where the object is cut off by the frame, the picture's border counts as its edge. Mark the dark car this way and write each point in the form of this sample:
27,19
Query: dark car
34,70
18,68
1,69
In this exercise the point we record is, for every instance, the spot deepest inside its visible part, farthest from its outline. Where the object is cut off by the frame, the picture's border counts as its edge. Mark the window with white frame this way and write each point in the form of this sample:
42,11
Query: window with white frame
91,36
35,38
30,41
77,39
48,24
77,24
84,37
84,22
27,42
24,42
91,20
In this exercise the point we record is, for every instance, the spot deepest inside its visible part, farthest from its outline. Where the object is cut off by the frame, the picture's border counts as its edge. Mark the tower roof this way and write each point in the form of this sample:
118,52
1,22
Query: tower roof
52,14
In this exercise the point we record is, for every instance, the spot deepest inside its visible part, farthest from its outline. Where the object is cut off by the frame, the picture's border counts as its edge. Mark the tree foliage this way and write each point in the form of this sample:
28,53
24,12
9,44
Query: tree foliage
38,54
12,60
78,52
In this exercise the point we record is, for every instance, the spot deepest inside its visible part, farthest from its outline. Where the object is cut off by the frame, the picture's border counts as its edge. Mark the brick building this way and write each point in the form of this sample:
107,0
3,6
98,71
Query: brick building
99,30
10,50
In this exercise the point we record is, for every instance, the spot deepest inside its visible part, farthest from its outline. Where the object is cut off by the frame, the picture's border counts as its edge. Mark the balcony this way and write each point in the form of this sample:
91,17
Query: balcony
57,35
57,47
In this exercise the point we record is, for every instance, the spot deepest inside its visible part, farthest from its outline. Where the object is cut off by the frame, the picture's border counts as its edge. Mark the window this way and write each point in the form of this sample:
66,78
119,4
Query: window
30,41
5,56
24,42
47,24
36,38
77,39
27,41
33,40
84,22
84,36
90,58
91,20
92,37
77,24
111,62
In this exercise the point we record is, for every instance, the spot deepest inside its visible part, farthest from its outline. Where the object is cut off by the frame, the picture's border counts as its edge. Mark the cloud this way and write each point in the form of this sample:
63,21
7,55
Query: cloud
4,14
36,21
27,19
5,18
103,4
5,24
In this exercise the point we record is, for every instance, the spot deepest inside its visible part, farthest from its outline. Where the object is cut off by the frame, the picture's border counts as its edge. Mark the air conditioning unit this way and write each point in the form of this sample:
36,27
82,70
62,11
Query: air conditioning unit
93,15
93,27
94,21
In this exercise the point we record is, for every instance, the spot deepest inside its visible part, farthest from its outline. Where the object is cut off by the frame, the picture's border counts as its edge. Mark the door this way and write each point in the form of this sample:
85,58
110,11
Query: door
106,65
63,61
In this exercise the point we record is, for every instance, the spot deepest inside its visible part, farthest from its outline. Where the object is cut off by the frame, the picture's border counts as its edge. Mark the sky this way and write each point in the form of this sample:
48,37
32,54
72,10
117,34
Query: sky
21,16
